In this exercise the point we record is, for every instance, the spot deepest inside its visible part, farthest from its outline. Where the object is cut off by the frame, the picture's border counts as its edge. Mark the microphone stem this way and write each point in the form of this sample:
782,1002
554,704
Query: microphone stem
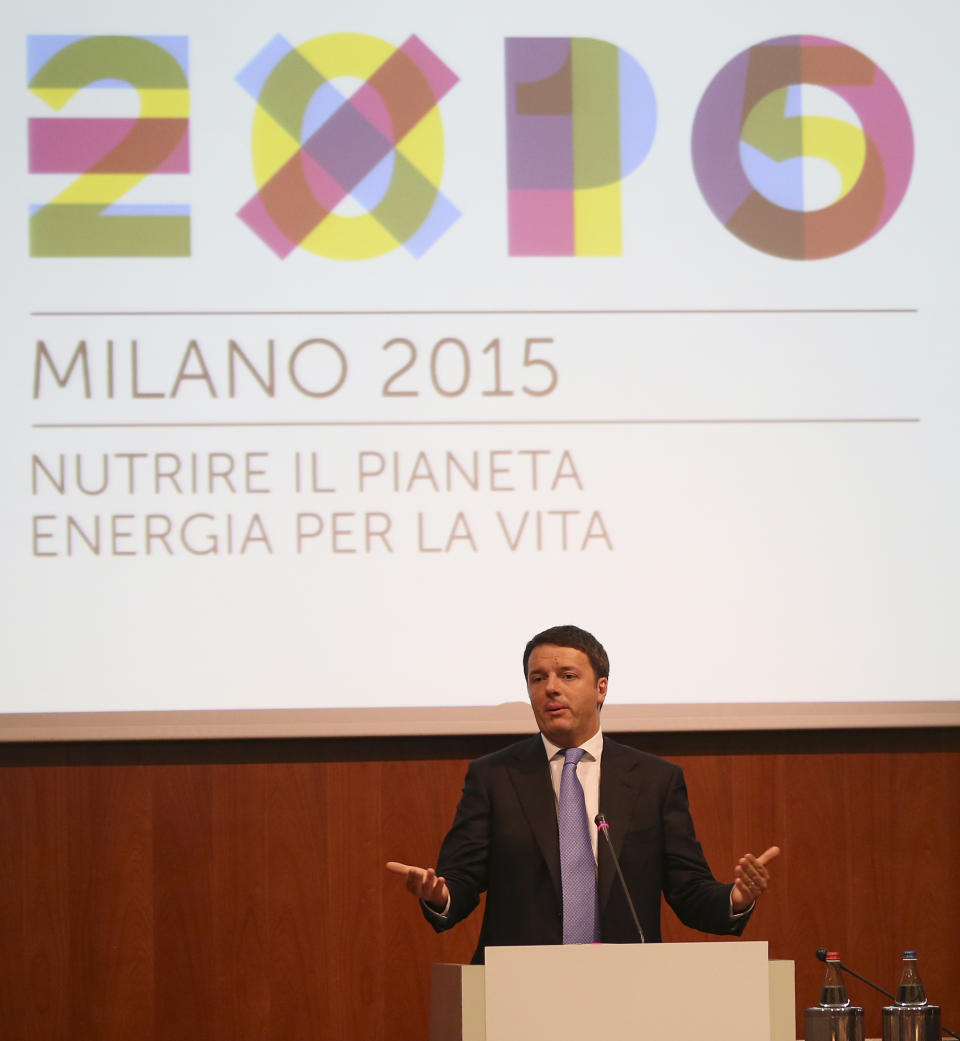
863,979
603,826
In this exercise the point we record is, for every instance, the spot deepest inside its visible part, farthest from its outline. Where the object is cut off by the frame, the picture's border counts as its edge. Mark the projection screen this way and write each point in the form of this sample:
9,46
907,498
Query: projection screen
346,349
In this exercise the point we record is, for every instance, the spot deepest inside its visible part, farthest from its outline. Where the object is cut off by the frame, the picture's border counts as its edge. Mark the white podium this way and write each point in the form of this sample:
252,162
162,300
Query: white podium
674,992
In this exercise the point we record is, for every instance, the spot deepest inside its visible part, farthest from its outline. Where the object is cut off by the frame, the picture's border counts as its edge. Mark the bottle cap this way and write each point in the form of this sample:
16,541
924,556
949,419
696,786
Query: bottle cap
833,956
906,954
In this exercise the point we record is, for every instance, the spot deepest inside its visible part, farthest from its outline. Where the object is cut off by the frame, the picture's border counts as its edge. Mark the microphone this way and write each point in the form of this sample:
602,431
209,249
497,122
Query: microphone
822,956
604,826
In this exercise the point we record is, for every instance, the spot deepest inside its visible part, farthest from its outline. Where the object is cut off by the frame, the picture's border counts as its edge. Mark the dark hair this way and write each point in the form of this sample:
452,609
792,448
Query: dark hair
579,639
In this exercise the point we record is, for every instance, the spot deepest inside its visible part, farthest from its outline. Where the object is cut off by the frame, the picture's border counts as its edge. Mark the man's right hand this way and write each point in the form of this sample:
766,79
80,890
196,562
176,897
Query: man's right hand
424,883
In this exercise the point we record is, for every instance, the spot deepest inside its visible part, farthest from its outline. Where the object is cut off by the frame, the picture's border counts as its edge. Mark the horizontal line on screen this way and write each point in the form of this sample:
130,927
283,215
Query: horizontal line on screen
599,312
786,421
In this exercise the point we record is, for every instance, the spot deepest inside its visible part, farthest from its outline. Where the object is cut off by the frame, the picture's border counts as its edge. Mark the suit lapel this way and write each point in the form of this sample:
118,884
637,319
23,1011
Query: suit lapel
530,775
619,788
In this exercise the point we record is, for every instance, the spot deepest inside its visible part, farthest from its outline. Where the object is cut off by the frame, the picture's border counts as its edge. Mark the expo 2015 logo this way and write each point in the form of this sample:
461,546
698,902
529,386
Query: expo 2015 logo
802,147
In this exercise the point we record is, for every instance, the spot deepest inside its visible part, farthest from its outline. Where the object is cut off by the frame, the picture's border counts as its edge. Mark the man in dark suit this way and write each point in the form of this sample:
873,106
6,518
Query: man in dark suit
505,839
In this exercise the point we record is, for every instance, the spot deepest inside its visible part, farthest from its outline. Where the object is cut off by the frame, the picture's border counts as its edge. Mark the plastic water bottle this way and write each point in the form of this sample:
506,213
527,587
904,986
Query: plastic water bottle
833,993
910,992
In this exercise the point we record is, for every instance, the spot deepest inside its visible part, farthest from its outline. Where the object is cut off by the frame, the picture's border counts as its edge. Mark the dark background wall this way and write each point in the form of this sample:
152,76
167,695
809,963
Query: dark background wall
225,891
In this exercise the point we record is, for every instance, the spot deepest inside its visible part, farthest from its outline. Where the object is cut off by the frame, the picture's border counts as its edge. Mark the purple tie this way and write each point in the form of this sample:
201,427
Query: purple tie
578,871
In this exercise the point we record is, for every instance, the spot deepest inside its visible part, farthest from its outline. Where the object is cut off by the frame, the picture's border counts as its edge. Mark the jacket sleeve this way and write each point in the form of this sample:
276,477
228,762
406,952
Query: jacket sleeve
697,898
464,857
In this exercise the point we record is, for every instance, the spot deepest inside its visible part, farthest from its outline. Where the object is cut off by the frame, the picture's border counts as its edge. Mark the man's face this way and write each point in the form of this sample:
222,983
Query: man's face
565,694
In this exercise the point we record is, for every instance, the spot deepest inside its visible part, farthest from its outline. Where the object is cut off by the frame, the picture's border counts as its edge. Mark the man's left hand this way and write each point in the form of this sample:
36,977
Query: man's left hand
752,878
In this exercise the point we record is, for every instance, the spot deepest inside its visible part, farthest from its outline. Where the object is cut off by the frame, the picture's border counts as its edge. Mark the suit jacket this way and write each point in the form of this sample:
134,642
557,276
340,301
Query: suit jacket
504,842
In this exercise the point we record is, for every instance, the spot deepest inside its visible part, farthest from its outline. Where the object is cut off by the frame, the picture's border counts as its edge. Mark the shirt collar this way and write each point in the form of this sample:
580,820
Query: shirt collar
593,747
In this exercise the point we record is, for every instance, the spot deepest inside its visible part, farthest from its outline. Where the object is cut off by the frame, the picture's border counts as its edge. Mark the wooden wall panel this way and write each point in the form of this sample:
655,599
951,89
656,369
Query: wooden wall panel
353,897
184,981
300,854
240,902
236,891
35,903
110,892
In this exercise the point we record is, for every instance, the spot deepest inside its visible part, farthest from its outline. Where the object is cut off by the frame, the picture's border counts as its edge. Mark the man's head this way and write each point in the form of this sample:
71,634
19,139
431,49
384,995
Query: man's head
566,669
